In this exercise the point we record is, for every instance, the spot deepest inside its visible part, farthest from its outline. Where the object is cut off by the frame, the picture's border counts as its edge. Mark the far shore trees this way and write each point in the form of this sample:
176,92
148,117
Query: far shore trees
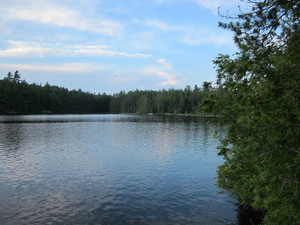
19,97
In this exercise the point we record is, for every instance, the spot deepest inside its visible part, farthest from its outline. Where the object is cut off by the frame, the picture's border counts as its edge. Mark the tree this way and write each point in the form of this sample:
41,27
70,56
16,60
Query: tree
262,147
9,77
143,104
206,86
17,77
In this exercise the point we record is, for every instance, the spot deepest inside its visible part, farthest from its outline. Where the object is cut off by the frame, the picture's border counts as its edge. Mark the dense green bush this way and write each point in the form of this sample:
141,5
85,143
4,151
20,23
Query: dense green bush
262,148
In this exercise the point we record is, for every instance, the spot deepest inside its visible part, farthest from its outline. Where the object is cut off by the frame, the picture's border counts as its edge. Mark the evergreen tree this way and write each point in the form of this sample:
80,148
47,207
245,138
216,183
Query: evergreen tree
262,148
17,77
9,77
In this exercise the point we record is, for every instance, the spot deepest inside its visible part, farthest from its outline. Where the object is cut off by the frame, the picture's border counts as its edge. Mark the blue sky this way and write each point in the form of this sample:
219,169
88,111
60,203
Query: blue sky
113,45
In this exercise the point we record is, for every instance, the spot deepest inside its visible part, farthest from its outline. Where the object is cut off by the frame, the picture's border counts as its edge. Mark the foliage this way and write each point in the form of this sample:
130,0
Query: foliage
158,102
262,110
17,96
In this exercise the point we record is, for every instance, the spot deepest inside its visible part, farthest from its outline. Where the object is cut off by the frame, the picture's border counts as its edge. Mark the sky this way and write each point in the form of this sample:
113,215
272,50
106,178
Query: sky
108,46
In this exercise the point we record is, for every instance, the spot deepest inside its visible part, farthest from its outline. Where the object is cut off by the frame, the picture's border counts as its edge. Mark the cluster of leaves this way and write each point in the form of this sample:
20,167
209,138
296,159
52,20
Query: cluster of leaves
17,96
262,148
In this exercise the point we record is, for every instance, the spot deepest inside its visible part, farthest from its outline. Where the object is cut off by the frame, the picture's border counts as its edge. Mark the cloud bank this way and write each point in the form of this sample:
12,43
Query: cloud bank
52,13
19,49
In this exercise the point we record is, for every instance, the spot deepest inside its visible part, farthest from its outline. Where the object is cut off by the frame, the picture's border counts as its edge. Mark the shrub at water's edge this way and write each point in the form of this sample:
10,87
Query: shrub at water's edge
262,110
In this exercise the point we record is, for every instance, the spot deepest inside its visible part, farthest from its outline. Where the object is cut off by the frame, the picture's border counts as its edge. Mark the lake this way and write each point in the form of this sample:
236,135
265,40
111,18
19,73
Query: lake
111,169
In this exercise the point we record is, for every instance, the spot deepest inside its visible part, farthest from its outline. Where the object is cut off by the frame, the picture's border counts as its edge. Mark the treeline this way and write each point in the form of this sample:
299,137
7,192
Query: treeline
160,102
19,97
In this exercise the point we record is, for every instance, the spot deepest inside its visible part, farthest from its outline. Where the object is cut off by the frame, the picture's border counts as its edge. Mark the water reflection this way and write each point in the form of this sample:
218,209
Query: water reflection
248,216
110,169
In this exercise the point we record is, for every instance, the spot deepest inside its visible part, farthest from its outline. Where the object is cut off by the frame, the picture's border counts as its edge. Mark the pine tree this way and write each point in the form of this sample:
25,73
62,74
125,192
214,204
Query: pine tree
262,148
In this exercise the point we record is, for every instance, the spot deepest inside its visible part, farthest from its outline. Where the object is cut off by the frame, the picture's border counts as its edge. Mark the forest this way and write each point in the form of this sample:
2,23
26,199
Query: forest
19,97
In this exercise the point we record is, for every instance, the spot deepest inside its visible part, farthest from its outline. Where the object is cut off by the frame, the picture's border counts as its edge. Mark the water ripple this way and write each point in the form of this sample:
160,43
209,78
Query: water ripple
102,169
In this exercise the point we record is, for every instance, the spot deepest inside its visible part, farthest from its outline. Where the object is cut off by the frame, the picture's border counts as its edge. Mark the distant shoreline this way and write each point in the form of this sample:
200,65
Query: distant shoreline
147,114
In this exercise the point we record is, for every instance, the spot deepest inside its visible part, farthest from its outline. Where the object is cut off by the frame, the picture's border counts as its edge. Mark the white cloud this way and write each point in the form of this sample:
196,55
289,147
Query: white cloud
160,25
98,51
170,80
162,71
191,34
60,67
198,36
160,75
212,5
165,64
20,49
49,12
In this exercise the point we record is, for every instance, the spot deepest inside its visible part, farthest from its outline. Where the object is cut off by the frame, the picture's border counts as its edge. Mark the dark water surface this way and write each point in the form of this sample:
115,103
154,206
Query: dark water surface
110,169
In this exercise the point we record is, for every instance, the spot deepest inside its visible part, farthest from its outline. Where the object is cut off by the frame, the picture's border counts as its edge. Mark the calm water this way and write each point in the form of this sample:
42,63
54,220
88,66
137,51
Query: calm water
110,169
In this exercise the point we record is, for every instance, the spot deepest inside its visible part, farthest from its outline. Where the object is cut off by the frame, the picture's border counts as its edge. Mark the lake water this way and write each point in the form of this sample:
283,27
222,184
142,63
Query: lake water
110,169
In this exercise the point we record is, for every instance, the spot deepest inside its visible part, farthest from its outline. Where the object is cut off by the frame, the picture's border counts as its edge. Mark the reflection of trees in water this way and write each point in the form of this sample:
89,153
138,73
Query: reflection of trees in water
12,135
247,216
